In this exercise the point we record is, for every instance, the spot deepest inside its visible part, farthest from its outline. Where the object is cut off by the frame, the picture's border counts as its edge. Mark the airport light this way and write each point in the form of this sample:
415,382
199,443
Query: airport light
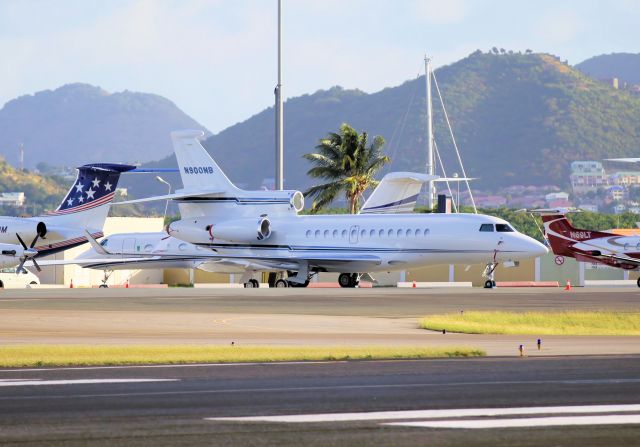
166,205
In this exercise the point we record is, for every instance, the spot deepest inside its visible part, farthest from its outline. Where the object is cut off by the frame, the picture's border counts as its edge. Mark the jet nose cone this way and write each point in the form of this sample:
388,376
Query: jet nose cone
537,249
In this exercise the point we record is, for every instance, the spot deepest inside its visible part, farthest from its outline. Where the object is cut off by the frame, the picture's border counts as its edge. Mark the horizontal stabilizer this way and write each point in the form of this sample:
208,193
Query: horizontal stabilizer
455,179
550,211
175,196
624,160
152,170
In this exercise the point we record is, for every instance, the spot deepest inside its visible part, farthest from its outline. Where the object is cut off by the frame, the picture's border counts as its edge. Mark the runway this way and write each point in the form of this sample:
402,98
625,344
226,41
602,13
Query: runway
295,317
180,405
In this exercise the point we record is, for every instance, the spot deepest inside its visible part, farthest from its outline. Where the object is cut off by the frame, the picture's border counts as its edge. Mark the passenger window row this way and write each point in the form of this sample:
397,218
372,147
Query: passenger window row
372,233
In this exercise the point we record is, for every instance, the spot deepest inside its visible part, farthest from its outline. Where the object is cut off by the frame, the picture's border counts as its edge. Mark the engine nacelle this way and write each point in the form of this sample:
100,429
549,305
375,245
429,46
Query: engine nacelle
237,230
10,254
26,228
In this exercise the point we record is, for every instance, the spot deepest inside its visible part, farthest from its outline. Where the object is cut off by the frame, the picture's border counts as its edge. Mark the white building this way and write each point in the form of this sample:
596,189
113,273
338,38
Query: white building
587,176
12,198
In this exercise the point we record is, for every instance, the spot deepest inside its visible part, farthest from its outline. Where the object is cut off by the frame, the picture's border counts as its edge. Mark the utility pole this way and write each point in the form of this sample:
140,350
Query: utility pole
430,165
279,110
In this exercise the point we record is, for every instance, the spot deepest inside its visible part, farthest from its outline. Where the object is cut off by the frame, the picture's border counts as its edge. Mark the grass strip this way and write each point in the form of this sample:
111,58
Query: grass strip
108,355
536,323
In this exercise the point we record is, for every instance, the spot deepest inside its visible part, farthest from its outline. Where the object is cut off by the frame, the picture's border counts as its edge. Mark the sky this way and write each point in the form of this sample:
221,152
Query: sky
216,59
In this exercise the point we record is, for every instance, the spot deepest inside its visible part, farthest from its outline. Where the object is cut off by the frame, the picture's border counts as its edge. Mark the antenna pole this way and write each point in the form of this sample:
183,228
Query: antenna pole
430,165
279,110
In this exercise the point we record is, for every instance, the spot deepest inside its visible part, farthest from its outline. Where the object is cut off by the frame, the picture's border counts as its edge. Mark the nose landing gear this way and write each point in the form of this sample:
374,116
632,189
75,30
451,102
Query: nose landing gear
489,274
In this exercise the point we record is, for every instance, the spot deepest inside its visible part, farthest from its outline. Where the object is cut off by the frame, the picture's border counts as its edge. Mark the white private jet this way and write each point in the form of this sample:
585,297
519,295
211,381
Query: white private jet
85,207
263,231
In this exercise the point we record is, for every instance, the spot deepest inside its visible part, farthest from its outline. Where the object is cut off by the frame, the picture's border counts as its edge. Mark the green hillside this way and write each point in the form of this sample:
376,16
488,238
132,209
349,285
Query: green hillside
518,119
41,193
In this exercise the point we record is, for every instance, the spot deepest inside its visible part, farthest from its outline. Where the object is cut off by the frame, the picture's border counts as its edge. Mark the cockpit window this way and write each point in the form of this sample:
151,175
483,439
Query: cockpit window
104,242
504,228
486,227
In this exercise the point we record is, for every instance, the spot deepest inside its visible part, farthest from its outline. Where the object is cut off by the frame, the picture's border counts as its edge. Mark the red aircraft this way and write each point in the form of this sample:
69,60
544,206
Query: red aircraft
589,246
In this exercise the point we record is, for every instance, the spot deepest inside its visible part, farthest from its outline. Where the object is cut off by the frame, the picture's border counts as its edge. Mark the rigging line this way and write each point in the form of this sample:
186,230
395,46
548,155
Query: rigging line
435,146
544,236
402,123
455,145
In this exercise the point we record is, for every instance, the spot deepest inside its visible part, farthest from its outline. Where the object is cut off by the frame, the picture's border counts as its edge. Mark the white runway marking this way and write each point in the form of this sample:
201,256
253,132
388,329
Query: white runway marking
420,414
527,422
35,382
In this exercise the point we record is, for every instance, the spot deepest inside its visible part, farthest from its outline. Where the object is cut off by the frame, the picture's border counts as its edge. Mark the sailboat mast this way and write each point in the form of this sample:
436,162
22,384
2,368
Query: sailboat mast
279,110
430,163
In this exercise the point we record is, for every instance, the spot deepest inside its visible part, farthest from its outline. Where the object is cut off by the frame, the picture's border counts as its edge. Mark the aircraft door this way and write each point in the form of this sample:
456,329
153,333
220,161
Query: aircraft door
128,246
353,234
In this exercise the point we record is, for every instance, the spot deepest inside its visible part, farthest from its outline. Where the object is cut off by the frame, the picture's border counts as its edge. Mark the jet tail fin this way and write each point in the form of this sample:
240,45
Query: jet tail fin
197,168
397,192
86,205
560,233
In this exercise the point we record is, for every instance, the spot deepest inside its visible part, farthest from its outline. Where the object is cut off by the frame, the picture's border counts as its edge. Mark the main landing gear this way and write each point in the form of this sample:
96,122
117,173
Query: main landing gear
489,273
281,283
105,278
251,284
349,279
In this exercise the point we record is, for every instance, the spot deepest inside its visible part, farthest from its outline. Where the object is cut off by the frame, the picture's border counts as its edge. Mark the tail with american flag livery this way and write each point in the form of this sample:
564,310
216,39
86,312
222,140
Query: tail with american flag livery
87,203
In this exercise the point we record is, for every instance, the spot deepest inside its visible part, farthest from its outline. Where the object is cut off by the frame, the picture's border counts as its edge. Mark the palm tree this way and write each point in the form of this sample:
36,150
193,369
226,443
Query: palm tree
345,160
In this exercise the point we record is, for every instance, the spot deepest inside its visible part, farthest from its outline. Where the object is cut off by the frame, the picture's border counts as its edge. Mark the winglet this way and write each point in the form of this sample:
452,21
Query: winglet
95,245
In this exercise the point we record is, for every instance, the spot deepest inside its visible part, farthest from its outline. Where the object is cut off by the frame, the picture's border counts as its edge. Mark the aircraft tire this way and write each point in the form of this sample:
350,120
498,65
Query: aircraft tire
1,285
488,284
255,283
103,286
281,283
638,282
345,280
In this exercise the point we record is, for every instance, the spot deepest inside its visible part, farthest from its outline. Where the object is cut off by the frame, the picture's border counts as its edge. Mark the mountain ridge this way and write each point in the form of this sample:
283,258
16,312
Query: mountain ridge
79,123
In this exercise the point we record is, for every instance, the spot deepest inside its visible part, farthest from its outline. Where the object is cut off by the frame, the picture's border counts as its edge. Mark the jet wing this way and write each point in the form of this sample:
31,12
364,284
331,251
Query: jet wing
284,262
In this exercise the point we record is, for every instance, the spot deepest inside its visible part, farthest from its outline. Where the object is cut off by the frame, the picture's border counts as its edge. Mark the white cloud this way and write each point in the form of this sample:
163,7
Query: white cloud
559,27
440,12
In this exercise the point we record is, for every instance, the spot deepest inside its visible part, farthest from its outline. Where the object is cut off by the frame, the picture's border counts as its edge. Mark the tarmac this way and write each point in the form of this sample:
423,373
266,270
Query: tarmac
596,401
582,391
381,316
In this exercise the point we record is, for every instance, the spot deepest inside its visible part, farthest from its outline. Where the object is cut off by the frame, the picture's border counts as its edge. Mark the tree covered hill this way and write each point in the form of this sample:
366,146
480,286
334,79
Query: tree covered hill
42,193
79,123
518,119
624,66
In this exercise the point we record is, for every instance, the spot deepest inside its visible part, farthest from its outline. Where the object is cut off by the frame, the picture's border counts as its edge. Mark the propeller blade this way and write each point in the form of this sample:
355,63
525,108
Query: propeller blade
35,264
21,241
35,239
21,267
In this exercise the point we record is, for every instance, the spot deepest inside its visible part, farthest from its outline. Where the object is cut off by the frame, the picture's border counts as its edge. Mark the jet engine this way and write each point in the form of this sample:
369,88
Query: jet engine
237,230
26,228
